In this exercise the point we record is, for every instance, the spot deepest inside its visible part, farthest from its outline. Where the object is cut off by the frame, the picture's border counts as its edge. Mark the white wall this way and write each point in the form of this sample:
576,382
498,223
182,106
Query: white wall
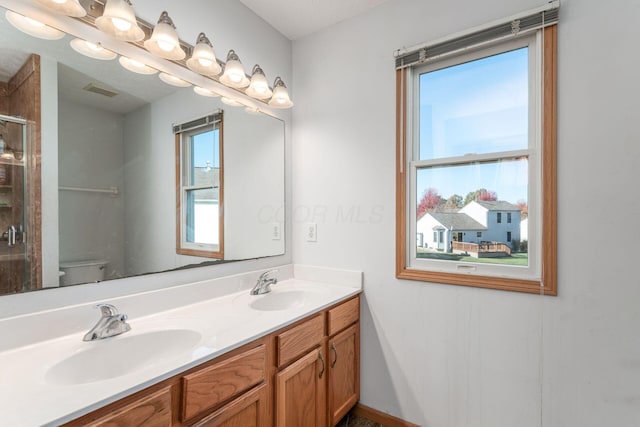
91,155
49,170
253,180
253,177
447,356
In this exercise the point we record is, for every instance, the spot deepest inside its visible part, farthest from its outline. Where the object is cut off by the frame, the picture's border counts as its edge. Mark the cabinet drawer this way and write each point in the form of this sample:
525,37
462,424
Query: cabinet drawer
150,411
223,381
343,315
300,339
247,410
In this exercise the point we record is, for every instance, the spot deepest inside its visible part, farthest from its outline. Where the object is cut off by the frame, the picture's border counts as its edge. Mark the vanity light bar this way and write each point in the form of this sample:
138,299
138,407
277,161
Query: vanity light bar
95,9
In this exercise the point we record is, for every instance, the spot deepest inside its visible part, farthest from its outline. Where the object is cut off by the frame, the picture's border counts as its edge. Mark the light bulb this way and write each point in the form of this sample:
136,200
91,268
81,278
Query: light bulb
121,24
258,88
203,59
280,98
164,40
233,75
261,87
119,21
165,45
235,72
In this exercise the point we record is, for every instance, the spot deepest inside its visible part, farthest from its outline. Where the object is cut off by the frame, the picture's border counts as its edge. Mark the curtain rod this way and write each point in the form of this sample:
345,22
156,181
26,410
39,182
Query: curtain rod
553,4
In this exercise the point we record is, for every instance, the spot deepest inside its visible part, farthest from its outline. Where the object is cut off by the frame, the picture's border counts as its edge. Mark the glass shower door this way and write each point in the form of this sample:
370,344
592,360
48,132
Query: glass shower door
14,271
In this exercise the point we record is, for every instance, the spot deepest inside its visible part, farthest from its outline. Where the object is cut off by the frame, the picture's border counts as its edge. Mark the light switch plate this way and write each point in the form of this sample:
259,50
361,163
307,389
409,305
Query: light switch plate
275,231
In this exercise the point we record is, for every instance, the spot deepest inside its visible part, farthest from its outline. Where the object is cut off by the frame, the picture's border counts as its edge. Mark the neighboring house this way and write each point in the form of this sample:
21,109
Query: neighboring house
477,222
439,229
502,220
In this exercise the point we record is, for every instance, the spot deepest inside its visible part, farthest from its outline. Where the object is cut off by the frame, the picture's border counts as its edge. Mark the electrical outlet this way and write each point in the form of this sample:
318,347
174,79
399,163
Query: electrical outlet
275,231
312,232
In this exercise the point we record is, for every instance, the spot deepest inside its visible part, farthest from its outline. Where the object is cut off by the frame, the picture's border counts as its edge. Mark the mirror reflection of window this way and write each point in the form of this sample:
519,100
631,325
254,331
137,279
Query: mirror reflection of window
199,198
203,193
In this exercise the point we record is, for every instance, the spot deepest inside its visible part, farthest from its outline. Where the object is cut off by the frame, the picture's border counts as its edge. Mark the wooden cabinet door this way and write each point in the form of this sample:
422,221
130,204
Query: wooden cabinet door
344,372
249,410
301,392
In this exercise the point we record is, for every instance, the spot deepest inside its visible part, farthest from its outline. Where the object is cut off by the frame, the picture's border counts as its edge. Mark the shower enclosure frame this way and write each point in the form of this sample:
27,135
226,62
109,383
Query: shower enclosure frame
20,262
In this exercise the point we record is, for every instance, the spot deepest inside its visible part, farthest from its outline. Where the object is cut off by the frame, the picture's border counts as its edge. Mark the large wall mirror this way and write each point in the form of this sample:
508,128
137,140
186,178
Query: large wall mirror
108,170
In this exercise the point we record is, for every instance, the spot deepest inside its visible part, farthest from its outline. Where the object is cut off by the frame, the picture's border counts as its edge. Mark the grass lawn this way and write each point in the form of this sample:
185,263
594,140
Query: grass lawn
519,258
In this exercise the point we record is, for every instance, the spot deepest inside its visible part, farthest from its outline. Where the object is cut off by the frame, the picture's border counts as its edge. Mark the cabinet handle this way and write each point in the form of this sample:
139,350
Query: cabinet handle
335,353
322,360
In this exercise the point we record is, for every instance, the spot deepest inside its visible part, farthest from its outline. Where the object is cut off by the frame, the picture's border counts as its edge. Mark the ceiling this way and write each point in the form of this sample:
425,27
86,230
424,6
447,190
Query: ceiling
298,18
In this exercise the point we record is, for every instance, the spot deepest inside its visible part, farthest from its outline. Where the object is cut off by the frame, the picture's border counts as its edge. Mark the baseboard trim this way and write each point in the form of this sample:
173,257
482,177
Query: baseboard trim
380,417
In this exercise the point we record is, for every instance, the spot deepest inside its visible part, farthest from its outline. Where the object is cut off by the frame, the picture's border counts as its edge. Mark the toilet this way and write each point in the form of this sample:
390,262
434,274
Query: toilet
86,271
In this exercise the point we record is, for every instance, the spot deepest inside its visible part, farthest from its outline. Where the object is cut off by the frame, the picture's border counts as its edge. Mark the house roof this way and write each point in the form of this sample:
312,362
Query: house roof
498,205
457,221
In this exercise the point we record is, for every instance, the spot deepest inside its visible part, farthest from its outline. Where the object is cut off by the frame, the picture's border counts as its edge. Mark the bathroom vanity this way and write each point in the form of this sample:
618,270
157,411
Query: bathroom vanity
286,358
271,381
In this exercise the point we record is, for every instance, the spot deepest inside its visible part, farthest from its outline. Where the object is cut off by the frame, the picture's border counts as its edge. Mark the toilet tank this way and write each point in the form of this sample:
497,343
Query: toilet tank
85,271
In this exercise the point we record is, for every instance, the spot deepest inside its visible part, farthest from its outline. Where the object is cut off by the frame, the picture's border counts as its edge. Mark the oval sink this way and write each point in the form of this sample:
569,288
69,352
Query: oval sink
279,300
114,357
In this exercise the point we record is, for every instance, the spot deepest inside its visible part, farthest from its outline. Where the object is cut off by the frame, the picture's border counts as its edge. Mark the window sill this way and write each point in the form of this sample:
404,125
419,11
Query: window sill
487,282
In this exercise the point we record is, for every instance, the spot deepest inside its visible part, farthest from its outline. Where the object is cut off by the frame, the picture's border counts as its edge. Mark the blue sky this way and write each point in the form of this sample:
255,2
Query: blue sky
206,147
476,107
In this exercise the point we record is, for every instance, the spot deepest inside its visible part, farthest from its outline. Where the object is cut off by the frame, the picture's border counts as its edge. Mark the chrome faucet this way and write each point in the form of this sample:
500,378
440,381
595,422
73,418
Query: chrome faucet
263,285
110,324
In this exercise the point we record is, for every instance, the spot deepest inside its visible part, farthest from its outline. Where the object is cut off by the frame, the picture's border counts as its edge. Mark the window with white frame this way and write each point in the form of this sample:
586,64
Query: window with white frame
477,138
199,187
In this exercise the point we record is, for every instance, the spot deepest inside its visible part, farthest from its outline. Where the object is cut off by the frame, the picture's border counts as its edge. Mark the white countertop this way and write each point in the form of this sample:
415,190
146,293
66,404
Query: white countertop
30,397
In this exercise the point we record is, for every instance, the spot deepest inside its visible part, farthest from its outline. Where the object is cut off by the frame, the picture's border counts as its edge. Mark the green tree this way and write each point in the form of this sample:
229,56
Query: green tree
453,203
480,194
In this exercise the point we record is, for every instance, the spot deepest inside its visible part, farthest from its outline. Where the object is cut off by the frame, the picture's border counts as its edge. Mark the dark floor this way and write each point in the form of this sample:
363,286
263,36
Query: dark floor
352,420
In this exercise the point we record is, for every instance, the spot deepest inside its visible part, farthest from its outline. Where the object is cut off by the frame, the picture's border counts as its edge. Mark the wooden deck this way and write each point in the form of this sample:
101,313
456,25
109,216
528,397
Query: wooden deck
482,250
